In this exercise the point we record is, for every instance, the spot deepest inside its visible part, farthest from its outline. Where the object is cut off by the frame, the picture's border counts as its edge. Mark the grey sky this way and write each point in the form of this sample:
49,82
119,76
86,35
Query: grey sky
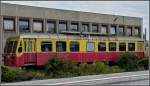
124,8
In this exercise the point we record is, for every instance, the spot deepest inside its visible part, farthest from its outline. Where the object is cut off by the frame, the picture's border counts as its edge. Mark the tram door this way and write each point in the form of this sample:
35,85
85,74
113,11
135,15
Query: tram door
29,51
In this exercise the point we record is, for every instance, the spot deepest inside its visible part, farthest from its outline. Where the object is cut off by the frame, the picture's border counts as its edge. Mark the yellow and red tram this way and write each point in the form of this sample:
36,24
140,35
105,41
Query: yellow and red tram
38,49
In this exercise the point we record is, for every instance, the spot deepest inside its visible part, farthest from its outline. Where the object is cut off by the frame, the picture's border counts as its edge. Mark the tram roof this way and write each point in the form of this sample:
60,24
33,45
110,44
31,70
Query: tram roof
63,36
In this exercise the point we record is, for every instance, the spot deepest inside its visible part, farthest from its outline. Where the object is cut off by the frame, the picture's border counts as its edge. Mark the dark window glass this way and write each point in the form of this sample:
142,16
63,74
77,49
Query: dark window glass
11,47
121,31
50,27
122,46
74,27
90,47
101,46
23,25
60,46
131,46
37,26
74,46
46,46
112,46
85,28
9,24
62,26
95,28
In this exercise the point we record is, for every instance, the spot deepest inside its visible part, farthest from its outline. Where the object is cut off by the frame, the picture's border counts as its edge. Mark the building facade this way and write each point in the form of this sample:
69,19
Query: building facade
20,19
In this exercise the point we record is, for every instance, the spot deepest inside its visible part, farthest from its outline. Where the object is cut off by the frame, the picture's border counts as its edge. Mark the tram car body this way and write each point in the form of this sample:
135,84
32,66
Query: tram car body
36,50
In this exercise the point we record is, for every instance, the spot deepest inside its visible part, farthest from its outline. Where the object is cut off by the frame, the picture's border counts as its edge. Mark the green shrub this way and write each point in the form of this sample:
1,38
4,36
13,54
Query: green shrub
12,74
116,69
57,67
144,63
128,61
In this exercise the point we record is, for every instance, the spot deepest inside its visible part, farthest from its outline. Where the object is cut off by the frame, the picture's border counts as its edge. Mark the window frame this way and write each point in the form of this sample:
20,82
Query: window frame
115,47
42,27
102,50
120,31
88,27
11,19
62,22
113,27
47,42
78,46
24,19
129,27
131,43
51,22
95,25
87,46
74,23
58,45
125,46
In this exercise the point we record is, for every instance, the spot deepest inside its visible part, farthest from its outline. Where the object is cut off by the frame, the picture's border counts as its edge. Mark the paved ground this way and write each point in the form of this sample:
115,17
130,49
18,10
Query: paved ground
126,78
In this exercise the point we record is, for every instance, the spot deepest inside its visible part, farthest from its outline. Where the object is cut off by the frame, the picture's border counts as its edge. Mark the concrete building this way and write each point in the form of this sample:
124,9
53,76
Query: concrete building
20,19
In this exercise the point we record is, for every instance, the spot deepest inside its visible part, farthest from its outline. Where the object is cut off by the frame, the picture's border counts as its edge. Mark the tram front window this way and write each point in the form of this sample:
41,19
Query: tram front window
11,47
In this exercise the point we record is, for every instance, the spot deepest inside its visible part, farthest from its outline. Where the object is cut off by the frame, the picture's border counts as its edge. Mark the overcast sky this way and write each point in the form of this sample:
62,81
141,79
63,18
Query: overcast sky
124,8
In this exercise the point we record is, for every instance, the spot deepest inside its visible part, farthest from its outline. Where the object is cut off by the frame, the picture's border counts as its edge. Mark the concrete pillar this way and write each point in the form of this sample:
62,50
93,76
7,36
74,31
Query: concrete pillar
90,27
17,25
44,25
125,30
99,28
141,32
68,25
31,25
133,31
80,26
57,26
117,30
1,40
108,29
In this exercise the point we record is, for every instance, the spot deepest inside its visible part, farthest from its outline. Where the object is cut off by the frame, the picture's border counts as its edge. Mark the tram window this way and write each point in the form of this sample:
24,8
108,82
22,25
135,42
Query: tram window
11,47
90,47
60,46
101,46
112,46
20,49
131,46
74,46
46,46
122,46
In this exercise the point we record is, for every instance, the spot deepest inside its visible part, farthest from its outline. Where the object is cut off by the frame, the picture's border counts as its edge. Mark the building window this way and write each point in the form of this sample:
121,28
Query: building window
62,26
95,28
60,46
37,26
131,46
112,46
74,46
129,31
113,30
9,24
101,46
24,26
137,31
85,28
50,26
74,27
122,46
121,31
104,29
46,46
90,47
